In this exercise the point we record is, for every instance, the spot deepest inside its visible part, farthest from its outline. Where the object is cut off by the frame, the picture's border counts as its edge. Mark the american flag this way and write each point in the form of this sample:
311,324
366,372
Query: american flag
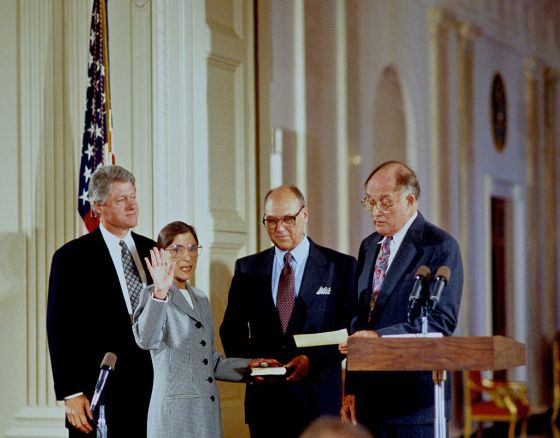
96,142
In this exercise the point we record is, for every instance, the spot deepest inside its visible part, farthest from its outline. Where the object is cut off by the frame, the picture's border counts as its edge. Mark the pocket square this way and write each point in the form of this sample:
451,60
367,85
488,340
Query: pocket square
324,290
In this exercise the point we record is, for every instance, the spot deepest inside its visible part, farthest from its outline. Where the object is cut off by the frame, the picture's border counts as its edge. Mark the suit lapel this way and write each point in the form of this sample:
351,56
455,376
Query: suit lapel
107,271
406,255
143,251
181,302
366,277
313,278
264,300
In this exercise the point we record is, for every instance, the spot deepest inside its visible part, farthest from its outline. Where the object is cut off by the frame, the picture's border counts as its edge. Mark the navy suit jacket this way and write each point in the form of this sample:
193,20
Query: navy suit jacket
412,399
251,328
86,318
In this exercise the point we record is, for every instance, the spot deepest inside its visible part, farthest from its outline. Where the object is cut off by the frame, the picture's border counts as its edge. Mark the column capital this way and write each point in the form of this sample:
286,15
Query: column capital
439,20
468,32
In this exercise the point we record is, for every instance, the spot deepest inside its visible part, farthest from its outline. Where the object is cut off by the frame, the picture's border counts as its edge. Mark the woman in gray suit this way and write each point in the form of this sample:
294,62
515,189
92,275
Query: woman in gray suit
174,321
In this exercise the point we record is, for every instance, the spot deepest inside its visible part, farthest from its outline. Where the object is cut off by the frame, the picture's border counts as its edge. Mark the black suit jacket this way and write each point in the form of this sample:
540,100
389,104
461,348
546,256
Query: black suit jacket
251,328
412,399
86,318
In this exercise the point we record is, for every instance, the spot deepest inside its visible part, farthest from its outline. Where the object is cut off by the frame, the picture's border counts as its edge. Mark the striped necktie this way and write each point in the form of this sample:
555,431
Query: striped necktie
131,275
379,273
286,292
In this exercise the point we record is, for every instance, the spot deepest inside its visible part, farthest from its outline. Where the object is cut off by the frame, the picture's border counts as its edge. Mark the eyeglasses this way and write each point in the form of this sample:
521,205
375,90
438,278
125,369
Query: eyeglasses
288,221
384,206
177,251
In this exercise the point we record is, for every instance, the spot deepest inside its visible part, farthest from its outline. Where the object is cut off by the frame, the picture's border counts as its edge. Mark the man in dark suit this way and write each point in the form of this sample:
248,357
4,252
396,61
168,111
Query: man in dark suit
256,324
398,404
89,313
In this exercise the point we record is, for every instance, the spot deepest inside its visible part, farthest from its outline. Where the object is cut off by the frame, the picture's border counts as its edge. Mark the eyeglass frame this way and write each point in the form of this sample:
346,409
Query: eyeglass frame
283,219
367,201
190,249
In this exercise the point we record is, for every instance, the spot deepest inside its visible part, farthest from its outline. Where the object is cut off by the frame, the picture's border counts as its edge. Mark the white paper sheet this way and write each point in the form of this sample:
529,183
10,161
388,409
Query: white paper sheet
324,338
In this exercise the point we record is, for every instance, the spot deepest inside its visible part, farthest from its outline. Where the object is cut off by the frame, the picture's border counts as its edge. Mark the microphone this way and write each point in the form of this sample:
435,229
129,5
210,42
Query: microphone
442,278
421,276
107,365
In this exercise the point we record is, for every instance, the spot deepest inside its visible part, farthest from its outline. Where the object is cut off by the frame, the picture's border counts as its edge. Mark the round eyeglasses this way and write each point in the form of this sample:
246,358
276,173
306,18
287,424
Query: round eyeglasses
384,206
177,251
271,222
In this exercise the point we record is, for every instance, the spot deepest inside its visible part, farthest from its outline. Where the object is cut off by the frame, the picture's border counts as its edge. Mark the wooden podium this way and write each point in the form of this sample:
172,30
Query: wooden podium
439,355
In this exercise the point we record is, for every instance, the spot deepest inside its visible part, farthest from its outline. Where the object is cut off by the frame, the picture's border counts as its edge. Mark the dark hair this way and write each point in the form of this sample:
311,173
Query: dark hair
293,189
168,233
404,175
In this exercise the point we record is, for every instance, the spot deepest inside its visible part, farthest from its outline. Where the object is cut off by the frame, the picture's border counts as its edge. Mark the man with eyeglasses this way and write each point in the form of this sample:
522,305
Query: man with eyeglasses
94,285
398,404
295,287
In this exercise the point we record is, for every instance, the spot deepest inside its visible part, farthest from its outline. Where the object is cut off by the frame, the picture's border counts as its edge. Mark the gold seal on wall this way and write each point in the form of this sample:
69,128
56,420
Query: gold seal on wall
499,112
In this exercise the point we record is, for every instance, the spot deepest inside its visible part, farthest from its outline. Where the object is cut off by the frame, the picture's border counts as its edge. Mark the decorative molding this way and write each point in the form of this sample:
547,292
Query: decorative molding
515,24
468,32
142,3
160,99
439,21
300,94
38,422
46,201
227,19
531,119
224,62
343,166
35,75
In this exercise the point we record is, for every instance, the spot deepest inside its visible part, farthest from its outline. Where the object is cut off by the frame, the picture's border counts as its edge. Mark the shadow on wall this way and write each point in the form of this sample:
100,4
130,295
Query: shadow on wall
220,280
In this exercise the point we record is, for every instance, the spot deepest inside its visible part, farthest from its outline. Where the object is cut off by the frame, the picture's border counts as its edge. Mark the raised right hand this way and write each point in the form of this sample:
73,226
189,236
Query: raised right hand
161,271
78,411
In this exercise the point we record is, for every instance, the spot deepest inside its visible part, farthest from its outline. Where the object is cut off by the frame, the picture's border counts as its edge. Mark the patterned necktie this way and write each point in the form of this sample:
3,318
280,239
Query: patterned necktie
131,276
286,292
379,273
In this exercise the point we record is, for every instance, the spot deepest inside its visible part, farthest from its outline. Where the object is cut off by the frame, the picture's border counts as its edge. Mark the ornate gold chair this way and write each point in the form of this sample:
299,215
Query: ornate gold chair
494,401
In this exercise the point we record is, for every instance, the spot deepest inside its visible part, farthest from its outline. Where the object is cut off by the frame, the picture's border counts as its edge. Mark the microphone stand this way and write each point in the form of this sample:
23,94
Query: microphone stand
424,315
101,422
439,377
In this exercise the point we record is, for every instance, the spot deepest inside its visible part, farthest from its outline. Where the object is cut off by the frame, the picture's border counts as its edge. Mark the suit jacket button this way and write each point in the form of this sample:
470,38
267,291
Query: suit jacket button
210,379
203,343
198,324
205,361
212,398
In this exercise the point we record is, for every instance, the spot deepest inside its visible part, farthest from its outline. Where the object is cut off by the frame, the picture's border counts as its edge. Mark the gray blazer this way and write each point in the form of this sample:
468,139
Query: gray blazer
185,401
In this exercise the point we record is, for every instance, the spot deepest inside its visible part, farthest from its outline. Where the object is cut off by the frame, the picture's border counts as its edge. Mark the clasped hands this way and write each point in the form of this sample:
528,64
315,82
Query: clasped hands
299,367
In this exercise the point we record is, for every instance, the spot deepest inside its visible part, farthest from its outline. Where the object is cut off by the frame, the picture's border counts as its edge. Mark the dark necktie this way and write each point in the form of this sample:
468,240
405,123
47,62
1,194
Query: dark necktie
379,273
131,276
286,292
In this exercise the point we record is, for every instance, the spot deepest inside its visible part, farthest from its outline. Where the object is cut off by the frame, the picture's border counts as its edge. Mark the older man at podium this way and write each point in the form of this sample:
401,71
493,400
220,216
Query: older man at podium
400,404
